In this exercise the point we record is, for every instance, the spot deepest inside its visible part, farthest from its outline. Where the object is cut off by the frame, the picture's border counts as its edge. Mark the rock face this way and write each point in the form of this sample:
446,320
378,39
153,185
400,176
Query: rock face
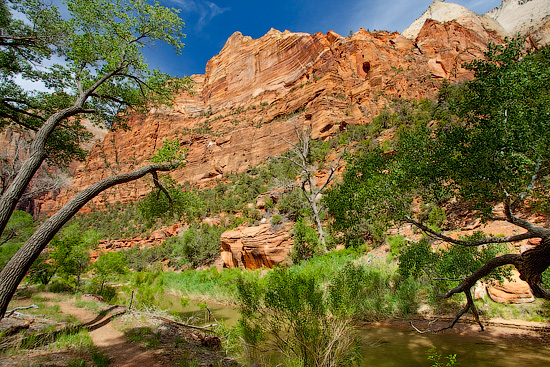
515,291
255,247
443,12
156,238
255,92
529,18
526,17
246,67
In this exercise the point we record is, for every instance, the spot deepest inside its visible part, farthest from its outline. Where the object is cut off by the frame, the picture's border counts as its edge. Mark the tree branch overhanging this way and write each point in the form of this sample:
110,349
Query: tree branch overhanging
530,265
15,270
481,242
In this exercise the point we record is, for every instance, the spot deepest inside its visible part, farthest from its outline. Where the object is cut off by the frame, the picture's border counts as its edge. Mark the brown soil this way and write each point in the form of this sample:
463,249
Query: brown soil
162,343
110,341
493,328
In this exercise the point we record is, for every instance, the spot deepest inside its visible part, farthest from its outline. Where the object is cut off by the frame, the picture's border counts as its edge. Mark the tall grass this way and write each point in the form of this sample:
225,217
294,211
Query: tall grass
211,284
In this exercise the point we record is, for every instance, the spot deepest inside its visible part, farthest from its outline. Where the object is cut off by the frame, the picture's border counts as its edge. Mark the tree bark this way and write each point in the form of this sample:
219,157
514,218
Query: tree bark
17,267
38,154
317,218
532,263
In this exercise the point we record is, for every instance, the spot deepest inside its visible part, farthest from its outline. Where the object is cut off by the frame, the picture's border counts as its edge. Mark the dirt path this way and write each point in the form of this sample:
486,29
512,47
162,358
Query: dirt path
110,341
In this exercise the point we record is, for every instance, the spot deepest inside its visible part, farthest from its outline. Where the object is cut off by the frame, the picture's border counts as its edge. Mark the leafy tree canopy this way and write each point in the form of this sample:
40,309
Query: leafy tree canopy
96,56
101,76
486,143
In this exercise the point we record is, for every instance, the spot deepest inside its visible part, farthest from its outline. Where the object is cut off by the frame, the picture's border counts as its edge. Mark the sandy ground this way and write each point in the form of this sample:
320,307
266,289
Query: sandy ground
109,340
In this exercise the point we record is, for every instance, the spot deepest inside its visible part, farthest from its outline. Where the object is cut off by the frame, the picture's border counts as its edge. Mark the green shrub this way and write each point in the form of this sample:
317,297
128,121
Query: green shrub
294,205
197,246
59,286
68,256
370,294
186,205
305,242
276,219
19,228
291,311
397,244
269,203
433,215
108,266
436,358
455,262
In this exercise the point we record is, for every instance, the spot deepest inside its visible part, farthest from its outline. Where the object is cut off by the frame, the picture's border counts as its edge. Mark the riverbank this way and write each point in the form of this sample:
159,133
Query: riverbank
492,328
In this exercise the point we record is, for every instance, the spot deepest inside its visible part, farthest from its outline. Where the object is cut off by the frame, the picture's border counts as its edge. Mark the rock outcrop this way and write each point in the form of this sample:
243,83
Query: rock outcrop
530,18
256,247
442,11
526,17
256,91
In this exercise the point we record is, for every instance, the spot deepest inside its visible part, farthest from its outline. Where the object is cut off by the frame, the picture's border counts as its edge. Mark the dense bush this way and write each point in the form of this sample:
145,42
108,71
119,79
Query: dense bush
291,311
294,205
67,257
197,246
305,242
114,221
19,228
308,311
109,266
443,265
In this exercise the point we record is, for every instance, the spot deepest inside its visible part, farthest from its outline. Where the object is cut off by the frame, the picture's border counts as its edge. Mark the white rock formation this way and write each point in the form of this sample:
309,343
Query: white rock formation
444,12
526,17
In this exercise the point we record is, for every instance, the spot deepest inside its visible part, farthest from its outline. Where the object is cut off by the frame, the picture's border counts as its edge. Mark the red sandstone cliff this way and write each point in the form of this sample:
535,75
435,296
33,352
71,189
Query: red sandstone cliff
255,91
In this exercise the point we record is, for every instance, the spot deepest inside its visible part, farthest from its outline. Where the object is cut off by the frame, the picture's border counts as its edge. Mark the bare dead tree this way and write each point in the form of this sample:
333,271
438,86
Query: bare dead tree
310,185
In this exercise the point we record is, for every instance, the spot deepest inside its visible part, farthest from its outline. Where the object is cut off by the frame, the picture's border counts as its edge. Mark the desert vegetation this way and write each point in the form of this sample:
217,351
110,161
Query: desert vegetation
371,209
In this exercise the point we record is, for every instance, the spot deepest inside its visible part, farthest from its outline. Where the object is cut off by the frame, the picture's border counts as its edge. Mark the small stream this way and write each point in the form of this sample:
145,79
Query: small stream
397,346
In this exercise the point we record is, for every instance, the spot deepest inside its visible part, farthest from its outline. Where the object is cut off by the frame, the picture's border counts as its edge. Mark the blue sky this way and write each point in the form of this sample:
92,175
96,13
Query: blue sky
210,22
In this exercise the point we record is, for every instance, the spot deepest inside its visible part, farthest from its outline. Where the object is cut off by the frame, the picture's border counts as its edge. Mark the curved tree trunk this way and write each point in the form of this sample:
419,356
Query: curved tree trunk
15,270
38,154
530,265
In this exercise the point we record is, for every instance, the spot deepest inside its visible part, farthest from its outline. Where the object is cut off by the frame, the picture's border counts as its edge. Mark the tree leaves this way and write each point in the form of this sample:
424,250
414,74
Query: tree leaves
98,53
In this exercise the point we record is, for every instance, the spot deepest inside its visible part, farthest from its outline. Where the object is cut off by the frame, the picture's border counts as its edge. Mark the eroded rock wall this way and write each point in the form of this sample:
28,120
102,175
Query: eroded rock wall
256,91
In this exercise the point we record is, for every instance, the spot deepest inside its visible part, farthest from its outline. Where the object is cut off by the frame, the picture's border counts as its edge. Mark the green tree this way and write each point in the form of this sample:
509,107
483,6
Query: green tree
488,144
103,79
19,229
107,267
198,245
305,242
69,257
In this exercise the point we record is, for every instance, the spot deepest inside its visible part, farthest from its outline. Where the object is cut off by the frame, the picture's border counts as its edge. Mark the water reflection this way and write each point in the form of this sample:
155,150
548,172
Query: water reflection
389,346
394,346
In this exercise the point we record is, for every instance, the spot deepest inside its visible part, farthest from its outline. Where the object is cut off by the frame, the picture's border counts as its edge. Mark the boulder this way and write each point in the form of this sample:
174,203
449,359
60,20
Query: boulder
256,247
515,291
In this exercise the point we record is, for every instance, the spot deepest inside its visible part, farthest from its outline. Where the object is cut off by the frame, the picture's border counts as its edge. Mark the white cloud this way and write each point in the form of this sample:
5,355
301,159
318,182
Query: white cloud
206,10
39,86
30,85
